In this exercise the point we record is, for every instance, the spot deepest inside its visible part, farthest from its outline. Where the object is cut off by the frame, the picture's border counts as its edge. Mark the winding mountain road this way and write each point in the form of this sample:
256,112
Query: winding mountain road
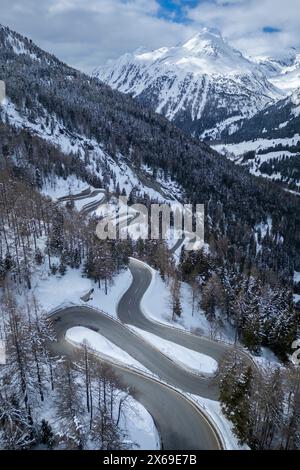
181,424
129,311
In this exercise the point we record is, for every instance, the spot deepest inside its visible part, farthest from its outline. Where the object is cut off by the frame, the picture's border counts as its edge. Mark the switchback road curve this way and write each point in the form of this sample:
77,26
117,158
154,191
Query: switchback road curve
181,424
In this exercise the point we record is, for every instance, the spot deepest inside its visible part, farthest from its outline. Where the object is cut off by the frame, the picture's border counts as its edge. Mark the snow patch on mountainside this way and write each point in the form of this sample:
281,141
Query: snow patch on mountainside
188,359
269,144
256,145
283,71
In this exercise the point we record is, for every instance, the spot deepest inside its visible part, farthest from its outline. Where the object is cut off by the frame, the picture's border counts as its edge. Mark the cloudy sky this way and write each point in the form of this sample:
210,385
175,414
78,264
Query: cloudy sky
86,33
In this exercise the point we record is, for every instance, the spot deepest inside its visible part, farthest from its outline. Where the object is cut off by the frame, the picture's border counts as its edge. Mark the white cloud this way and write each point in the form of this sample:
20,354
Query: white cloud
85,33
242,22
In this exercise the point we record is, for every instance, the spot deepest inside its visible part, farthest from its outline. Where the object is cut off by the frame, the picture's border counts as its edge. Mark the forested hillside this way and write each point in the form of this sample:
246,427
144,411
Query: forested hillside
252,227
59,124
40,86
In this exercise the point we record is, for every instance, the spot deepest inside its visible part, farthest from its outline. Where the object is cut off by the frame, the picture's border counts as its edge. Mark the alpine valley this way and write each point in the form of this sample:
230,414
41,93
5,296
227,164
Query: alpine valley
129,342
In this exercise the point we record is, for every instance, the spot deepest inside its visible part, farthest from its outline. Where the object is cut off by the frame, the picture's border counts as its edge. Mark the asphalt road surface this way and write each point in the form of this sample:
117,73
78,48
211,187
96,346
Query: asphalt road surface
181,424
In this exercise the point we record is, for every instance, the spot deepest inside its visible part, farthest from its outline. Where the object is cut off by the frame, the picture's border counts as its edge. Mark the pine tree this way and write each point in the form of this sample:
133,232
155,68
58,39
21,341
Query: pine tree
46,434
248,307
235,389
212,298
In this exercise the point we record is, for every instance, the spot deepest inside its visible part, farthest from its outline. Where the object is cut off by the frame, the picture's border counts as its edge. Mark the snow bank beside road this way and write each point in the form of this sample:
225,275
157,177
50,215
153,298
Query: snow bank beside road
97,342
186,358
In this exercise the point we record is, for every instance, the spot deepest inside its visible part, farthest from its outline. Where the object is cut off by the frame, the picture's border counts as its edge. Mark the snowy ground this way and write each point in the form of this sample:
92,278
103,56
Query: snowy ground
104,347
196,362
267,358
58,291
158,308
258,144
140,426
62,187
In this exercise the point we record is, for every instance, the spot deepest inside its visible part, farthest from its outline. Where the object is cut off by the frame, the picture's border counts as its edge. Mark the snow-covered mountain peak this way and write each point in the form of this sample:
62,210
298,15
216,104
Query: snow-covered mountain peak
203,40
282,62
208,52
210,42
205,53
204,84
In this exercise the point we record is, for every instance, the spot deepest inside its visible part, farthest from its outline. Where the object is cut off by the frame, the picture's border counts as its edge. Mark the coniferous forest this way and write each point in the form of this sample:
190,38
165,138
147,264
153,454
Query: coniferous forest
70,145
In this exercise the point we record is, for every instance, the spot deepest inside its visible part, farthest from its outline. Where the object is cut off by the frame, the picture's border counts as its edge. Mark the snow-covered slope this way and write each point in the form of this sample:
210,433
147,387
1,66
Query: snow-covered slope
31,115
269,143
283,71
204,85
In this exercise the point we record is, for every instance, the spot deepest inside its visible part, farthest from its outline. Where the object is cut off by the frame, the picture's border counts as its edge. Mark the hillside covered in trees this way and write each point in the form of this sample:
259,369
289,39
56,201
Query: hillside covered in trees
57,123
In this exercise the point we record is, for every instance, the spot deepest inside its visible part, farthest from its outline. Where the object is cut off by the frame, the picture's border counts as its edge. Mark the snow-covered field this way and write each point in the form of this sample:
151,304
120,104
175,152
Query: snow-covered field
258,144
195,362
